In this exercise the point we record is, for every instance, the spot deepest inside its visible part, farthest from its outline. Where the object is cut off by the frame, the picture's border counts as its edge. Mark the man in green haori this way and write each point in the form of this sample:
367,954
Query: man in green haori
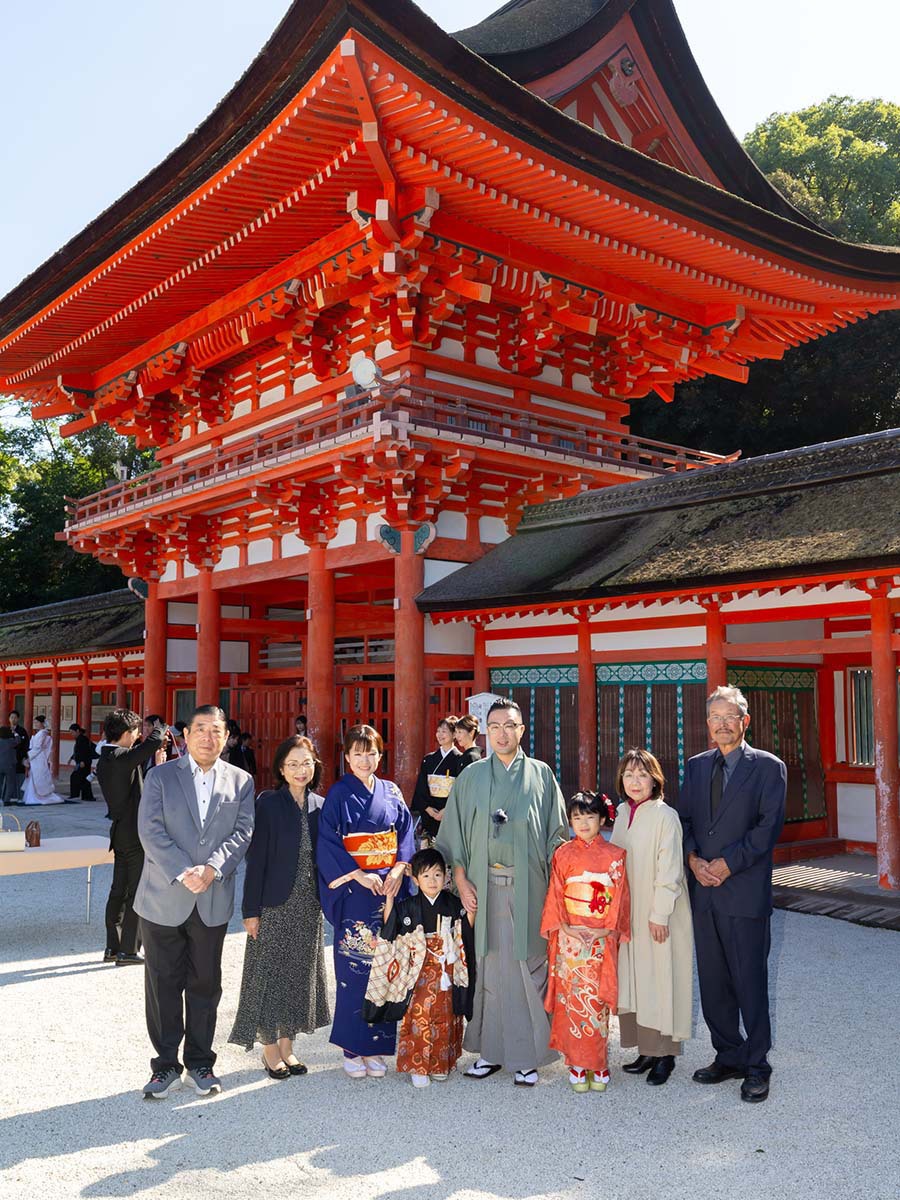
504,818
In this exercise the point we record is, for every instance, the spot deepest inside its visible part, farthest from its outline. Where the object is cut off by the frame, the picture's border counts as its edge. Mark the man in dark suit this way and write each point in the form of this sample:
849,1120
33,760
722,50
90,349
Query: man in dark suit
732,809
22,738
121,781
83,754
195,823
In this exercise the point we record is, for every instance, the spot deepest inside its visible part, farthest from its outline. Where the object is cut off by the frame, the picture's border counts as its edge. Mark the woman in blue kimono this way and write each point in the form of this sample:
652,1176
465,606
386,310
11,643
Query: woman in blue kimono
365,844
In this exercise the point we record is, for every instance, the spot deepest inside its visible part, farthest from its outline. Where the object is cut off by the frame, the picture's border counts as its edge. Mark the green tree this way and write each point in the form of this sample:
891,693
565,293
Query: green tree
38,470
838,162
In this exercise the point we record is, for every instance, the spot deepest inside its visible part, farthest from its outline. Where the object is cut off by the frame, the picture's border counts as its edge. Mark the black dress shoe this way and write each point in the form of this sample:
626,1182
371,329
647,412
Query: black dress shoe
109,956
276,1072
662,1068
128,960
642,1063
716,1073
755,1089
297,1068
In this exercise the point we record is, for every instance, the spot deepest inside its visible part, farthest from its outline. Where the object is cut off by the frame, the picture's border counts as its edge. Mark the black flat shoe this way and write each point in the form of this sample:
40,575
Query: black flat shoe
716,1073
661,1069
297,1068
109,956
755,1089
642,1063
273,1073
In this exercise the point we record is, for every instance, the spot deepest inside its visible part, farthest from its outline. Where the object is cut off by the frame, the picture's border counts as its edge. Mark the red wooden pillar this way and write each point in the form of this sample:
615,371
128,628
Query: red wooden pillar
87,698
409,665
587,709
209,631
55,713
716,670
121,692
155,619
884,720
828,742
320,674
5,703
481,681
28,714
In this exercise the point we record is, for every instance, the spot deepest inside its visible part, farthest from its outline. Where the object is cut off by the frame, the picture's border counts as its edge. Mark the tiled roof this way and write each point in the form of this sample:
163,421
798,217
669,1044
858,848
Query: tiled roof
73,626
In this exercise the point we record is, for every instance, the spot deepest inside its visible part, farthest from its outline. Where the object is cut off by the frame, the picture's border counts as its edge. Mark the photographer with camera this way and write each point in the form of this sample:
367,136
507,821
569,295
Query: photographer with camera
120,774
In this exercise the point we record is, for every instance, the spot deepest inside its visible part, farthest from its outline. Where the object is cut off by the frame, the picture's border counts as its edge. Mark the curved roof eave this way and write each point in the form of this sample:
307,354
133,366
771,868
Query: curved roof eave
304,38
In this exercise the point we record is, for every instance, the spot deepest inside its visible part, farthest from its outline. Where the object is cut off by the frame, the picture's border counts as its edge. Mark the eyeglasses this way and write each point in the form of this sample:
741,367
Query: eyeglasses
507,726
293,765
714,721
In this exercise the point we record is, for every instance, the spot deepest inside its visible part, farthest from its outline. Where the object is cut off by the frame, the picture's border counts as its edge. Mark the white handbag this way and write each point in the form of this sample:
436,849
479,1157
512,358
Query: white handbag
11,839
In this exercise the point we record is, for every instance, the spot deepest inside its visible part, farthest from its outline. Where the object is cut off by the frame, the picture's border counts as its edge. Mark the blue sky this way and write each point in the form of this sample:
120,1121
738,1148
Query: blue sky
94,94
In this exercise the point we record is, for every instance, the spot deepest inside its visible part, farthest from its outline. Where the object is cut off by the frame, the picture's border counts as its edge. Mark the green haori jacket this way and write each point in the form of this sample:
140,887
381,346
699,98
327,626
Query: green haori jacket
530,796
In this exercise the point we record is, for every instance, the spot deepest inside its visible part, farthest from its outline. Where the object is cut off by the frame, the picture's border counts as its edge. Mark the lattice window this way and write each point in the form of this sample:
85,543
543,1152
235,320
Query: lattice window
548,698
860,724
659,706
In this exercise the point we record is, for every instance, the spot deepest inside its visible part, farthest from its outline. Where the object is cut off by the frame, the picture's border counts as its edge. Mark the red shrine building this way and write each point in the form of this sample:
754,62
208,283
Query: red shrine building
399,289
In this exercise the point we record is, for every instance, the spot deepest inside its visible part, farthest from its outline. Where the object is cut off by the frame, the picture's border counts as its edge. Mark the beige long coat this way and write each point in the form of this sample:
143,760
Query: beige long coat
656,979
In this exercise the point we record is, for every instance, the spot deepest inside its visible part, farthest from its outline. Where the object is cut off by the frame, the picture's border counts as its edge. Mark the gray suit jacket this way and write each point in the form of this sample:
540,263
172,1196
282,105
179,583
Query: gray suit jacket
174,839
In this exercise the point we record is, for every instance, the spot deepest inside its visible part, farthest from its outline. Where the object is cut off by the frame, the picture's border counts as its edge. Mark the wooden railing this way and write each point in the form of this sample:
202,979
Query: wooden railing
396,411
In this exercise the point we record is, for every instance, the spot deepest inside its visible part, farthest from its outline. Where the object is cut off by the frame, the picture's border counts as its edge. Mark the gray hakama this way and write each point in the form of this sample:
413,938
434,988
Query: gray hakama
509,1024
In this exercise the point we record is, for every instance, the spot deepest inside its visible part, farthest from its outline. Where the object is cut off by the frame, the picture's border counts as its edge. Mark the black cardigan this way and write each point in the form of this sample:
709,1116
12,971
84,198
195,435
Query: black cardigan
272,856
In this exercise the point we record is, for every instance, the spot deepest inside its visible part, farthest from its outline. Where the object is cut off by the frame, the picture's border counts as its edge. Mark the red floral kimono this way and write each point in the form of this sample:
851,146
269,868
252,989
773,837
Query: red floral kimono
588,888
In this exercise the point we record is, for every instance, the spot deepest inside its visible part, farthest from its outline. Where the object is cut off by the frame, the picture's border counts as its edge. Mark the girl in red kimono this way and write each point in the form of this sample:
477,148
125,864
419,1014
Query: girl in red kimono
586,914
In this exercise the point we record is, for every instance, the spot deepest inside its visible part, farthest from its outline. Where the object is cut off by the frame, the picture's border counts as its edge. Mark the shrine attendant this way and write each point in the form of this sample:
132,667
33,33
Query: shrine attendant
39,785
656,968
465,734
366,842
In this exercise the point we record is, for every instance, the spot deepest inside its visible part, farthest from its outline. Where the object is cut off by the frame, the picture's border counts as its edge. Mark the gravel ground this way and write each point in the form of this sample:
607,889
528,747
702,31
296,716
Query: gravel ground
74,1056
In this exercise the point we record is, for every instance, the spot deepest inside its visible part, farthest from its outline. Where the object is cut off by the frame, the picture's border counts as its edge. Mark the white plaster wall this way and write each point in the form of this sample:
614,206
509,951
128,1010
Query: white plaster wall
455,637
856,811
524,647
189,570
492,529
181,655
779,631
235,612
345,536
551,375
649,639
532,621
181,613
373,522
170,573
670,608
451,525
451,348
231,557
272,396
292,545
486,358
438,568
260,551
242,409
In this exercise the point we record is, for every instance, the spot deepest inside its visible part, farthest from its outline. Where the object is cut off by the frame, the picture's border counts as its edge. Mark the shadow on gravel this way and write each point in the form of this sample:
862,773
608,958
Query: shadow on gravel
320,1130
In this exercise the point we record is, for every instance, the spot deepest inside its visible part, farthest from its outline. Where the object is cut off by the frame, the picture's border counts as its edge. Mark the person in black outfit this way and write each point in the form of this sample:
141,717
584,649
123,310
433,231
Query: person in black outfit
83,754
465,734
119,772
22,738
249,763
443,761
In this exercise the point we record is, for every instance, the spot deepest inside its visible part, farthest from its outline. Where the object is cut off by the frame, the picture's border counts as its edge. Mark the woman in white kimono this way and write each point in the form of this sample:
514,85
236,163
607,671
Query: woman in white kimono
656,968
39,784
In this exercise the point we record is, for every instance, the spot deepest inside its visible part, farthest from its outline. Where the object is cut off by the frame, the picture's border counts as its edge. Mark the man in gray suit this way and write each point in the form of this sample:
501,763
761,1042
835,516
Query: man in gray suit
195,823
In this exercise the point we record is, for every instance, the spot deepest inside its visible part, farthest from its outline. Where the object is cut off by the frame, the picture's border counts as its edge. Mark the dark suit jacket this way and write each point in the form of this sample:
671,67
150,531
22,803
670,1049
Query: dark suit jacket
744,831
83,752
122,784
272,857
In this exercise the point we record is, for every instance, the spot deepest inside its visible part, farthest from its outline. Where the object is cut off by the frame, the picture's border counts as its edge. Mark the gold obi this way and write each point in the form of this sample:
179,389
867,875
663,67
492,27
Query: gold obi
372,851
587,898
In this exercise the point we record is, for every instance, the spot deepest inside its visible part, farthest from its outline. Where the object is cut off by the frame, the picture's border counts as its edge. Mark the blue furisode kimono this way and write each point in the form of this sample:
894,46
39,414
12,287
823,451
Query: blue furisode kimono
358,828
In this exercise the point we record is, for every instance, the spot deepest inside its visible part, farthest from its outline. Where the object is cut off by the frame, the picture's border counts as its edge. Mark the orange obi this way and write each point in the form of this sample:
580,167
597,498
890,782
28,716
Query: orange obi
372,851
587,898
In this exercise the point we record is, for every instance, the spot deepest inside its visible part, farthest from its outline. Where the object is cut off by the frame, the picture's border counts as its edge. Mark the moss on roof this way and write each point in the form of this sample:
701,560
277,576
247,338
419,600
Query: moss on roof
73,626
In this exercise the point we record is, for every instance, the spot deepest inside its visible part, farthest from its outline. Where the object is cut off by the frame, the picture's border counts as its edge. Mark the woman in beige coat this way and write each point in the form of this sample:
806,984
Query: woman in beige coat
656,968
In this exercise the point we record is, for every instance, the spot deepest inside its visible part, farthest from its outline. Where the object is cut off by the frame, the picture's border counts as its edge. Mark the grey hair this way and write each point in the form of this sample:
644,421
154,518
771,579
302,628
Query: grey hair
731,695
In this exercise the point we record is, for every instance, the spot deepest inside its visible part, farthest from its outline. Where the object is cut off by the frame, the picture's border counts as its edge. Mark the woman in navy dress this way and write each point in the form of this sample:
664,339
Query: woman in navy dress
365,844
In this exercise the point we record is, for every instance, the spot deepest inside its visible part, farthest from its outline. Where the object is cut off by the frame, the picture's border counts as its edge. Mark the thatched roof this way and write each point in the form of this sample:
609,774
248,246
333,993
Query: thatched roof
826,508
73,626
